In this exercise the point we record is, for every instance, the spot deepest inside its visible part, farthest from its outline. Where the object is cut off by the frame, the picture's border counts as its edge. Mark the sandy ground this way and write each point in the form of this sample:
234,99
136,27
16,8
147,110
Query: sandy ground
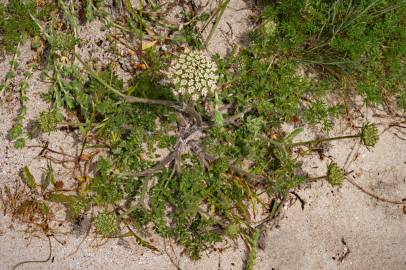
334,222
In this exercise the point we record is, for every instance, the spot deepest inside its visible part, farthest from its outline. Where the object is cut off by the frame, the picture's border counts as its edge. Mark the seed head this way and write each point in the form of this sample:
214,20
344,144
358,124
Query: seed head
335,175
369,135
193,74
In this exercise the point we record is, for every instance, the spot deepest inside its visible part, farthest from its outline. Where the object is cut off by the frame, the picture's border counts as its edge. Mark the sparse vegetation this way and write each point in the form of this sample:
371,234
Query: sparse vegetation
194,168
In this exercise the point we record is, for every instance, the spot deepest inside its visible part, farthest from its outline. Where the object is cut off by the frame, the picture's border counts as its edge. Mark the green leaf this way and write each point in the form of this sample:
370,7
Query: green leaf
28,178
49,178
19,143
140,241
218,118
83,130
292,135
15,132
242,209
62,198
44,208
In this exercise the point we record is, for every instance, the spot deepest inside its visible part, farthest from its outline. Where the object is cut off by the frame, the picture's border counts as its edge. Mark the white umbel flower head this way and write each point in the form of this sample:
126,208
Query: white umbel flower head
193,74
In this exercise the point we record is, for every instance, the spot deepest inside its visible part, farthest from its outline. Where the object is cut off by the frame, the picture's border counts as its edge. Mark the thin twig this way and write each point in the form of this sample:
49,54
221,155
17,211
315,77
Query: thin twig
38,261
302,202
161,164
45,148
374,195
324,140
268,223
315,179
182,107
176,264
219,13
129,99
83,239
148,172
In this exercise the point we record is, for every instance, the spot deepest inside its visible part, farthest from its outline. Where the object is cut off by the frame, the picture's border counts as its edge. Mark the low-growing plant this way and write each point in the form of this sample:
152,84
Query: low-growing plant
352,45
16,132
192,145
16,24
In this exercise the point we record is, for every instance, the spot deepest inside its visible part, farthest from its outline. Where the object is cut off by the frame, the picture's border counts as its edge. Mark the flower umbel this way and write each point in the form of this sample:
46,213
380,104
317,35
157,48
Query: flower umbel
193,74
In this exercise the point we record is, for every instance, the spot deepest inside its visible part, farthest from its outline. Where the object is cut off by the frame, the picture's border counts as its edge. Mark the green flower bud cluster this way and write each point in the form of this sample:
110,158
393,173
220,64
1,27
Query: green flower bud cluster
106,224
193,74
335,174
369,135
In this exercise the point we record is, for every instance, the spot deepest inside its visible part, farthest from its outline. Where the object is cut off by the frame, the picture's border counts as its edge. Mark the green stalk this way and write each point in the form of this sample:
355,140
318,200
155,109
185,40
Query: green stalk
130,99
219,14
252,255
141,24
315,179
183,107
324,140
